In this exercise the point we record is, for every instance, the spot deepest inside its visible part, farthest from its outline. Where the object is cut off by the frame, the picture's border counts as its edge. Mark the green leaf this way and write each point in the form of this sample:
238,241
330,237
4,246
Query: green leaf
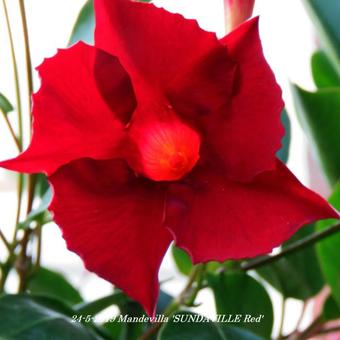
324,73
328,250
185,266
330,310
39,214
95,307
179,327
325,15
48,283
5,105
235,333
25,318
84,26
239,293
302,268
319,115
283,153
182,260
132,331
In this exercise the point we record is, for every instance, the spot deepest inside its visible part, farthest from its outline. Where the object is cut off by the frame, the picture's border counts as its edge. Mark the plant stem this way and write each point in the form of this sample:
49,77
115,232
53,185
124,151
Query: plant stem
27,54
282,319
22,264
6,243
20,186
292,248
38,232
186,297
31,178
11,130
16,77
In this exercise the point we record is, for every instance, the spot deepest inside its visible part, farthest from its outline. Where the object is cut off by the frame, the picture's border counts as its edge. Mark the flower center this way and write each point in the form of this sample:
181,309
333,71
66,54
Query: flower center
168,150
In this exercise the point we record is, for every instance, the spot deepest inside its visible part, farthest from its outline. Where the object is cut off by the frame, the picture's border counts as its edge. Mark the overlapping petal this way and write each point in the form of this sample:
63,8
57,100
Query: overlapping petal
72,119
249,134
214,218
232,95
113,220
151,43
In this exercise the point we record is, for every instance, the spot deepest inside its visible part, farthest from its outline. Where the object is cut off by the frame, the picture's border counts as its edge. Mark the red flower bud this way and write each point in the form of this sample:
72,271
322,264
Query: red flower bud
237,11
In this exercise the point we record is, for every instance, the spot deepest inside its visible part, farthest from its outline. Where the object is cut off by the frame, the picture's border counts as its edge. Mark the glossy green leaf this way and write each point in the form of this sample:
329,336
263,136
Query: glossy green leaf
23,317
239,293
319,115
283,153
325,15
84,26
182,327
324,73
48,283
328,250
95,307
5,104
302,268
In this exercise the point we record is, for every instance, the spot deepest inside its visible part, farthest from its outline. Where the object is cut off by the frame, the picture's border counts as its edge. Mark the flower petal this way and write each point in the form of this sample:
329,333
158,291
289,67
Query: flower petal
113,221
71,118
248,136
151,43
203,92
214,218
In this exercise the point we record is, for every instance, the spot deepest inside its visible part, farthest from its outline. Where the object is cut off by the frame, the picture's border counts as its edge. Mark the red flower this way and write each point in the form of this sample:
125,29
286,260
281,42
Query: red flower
161,132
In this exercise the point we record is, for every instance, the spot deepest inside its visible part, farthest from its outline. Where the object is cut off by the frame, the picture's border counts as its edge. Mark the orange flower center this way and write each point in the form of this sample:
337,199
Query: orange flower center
168,150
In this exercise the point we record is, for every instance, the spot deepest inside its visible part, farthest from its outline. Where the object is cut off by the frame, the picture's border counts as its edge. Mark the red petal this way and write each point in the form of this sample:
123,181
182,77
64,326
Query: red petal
152,44
114,222
202,93
214,218
71,119
248,136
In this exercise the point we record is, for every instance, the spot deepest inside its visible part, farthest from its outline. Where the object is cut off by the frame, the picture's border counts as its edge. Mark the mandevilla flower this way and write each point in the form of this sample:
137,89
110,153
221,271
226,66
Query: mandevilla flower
162,132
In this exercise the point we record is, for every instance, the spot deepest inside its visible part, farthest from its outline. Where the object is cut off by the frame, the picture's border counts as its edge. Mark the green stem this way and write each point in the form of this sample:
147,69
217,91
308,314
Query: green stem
4,240
20,187
11,130
31,178
27,54
186,297
292,248
16,77
282,319
38,232
23,261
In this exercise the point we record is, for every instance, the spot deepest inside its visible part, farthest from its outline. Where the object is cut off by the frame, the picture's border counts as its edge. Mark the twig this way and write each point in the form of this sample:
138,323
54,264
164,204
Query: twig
11,130
22,264
292,248
16,77
38,232
186,297
31,178
282,319
6,243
